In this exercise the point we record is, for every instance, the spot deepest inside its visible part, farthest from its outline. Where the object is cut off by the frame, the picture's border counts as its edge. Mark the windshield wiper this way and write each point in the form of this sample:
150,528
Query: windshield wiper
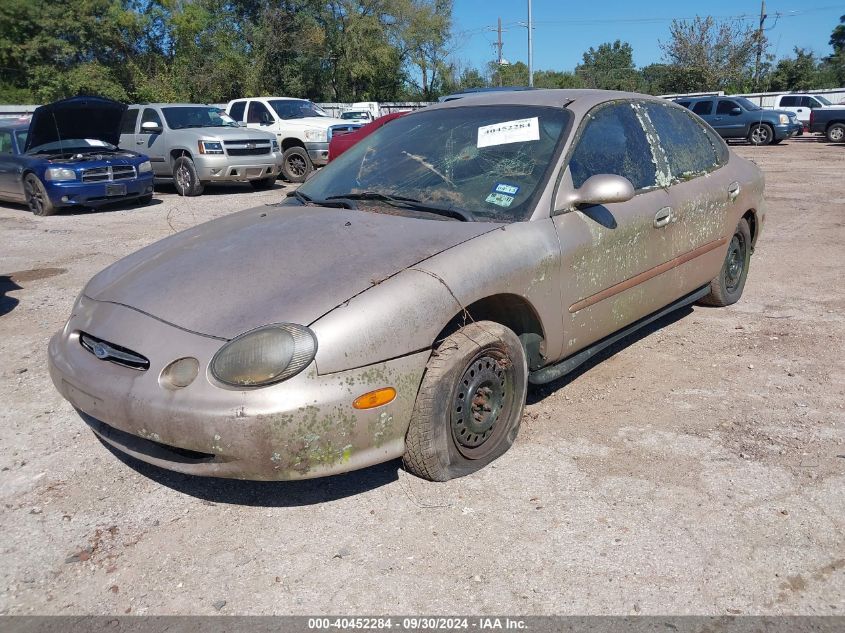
334,201
408,203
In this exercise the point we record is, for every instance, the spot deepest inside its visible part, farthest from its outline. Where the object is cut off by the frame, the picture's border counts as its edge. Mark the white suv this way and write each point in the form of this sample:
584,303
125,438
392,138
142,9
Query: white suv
302,128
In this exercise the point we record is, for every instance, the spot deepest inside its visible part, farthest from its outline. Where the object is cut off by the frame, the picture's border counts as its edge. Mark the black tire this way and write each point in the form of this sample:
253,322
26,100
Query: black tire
296,164
727,287
470,402
761,134
263,184
36,196
836,133
185,177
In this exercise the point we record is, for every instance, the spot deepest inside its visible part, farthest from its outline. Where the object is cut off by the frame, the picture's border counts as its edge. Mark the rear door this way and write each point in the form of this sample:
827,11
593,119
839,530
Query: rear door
701,193
610,252
10,167
153,145
792,103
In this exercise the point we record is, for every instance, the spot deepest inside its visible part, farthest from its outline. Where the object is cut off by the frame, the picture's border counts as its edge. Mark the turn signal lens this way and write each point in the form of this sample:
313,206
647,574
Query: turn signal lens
375,398
180,373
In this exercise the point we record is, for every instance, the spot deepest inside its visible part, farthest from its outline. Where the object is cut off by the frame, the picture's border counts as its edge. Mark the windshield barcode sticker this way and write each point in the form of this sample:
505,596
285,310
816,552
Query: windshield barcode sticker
518,131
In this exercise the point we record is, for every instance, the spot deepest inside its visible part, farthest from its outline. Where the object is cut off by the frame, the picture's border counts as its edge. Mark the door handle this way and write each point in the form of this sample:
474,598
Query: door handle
663,217
140,142
733,190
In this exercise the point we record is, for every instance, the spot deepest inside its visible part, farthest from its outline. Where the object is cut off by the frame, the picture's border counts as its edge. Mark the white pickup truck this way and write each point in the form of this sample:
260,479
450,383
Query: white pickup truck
801,105
302,128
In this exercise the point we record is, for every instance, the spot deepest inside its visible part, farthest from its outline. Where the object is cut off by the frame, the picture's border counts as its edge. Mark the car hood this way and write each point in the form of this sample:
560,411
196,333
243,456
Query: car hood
77,117
271,264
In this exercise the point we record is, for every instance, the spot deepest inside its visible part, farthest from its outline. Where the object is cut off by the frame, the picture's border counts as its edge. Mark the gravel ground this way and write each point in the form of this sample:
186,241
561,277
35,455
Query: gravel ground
698,468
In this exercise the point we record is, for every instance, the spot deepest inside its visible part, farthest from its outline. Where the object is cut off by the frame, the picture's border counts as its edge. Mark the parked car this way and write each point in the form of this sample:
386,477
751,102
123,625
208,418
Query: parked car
302,129
830,122
67,157
357,116
196,145
343,141
400,302
737,117
802,105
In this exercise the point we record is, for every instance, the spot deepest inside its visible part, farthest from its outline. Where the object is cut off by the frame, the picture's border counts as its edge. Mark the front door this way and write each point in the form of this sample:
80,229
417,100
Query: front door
610,252
153,144
10,167
727,121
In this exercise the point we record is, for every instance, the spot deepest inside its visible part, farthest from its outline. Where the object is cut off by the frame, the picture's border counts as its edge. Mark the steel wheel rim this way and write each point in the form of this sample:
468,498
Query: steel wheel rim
760,134
483,396
183,178
296,165
735,263
836,134
33,197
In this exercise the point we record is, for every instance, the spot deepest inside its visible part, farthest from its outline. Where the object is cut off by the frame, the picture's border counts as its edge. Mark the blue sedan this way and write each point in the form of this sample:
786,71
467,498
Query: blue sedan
67,157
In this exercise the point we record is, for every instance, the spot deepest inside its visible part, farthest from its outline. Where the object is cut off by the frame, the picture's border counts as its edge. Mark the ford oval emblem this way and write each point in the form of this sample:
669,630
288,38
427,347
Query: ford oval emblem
100,351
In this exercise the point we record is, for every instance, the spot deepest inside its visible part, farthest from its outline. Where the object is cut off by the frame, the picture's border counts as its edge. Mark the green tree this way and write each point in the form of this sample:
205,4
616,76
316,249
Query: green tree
609,67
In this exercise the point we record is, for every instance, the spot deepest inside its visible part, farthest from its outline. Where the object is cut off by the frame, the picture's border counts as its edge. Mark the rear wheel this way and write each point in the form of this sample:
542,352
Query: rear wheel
727,287
296,164
470,402
761,134
836,133
36,196
186,178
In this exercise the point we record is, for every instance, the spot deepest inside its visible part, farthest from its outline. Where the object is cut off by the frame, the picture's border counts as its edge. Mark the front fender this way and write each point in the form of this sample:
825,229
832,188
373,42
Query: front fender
405,313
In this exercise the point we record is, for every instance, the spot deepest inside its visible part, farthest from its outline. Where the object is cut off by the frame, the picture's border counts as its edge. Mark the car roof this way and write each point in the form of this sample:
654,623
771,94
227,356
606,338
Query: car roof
578,100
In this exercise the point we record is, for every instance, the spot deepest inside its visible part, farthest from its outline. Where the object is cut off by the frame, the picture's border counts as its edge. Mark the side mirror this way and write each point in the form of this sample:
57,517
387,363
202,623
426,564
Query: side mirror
150,127
598,189
735,111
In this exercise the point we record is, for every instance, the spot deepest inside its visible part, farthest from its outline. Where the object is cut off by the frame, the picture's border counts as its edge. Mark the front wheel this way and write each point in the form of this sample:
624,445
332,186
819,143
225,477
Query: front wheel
727,287
836,133
36,196
470,402
296,164
761,134
186,178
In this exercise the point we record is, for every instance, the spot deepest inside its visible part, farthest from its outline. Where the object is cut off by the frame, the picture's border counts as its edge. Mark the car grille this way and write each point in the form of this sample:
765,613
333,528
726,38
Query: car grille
105,174
247,147
113,353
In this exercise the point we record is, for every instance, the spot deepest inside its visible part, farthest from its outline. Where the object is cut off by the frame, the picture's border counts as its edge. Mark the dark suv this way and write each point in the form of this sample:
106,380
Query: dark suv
737,117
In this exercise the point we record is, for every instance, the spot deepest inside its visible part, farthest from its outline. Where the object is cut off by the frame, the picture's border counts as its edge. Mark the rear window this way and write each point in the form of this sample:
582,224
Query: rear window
789,102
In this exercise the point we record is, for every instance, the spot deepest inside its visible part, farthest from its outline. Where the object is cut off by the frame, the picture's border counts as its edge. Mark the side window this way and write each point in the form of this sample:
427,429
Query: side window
613,142
258,113
809,102
684,103
703,108
5,142
151,115
725,106
688,148
127,123
789,102
237,112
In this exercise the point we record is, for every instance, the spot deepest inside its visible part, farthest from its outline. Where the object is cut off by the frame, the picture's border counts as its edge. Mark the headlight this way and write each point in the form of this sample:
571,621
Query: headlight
145,167
316,136
264,356
274,146
210,147
784,119
59,173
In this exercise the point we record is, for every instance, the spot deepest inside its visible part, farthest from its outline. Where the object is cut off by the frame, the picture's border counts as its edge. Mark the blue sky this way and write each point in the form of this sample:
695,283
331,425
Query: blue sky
564,29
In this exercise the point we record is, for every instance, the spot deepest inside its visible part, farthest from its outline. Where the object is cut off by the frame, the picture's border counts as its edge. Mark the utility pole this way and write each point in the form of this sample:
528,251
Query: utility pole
530,47
759,42
499,55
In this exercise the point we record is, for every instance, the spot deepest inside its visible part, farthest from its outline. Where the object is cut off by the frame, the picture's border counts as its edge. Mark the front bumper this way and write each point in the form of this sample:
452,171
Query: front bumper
783,132
73,193
221,168
303,427
318,152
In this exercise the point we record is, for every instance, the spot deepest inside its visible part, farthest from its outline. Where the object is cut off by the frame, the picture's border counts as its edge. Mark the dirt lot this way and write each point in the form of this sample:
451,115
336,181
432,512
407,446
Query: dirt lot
698,468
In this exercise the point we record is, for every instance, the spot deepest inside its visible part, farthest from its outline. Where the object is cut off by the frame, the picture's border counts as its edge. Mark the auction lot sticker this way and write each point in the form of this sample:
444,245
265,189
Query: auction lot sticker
518,131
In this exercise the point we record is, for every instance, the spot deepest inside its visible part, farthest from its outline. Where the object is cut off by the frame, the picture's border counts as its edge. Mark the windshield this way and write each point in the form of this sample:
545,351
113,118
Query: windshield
354,115
179,118
486,161
748,105
822,100
72,145
22,134
296,108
